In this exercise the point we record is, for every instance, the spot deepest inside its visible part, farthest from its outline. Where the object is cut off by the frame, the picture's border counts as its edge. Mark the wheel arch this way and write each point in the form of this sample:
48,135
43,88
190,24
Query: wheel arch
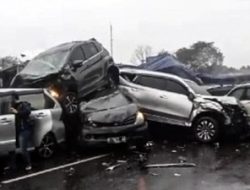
215,115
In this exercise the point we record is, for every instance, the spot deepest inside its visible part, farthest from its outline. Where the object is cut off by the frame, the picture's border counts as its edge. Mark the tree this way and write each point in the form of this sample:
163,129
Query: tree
140,54
201,56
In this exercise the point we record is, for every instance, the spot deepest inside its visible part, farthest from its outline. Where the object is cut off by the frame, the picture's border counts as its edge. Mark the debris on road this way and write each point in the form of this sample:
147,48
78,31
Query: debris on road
111,168
121,161
237,150
170,165
174,151
149,144
177,175
154,174
105,164
182,159
70,171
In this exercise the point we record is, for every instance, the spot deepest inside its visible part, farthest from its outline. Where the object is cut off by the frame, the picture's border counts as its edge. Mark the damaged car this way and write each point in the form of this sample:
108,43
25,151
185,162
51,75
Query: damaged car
112,119
71,71
242,93
48,129
171,100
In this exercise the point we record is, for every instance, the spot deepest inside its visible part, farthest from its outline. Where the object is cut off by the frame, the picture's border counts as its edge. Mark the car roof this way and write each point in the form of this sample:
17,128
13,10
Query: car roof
151,73
6,91
66,46
242,85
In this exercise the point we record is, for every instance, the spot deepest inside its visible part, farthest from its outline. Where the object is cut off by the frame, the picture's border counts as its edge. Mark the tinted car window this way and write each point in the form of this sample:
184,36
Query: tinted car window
36,100
247,95
173,86
89,49
5,104
77,54
152,82
238,93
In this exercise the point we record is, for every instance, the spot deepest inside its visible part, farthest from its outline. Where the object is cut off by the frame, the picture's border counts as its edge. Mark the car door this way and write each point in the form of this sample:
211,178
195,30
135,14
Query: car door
43,121
94,68
177,104
245,100
7,125
78,55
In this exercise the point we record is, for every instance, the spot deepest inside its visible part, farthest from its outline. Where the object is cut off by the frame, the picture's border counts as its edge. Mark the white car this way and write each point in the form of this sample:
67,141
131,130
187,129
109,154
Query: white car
242,93
48,129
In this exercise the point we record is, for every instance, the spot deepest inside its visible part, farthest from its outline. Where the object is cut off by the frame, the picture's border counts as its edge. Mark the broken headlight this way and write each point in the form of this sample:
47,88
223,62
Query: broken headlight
54,93
139,118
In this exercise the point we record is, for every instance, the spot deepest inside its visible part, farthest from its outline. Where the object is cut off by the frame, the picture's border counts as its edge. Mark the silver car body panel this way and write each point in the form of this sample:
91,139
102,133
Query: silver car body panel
46,121
168,107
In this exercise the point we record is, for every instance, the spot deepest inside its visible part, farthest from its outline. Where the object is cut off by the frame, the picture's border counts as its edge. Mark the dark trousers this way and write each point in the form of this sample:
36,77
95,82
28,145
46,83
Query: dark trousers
24,140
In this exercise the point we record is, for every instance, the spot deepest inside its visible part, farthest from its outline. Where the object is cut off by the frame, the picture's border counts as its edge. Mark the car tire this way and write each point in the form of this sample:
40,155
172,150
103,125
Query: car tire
47,147
70,103
206,129
113,77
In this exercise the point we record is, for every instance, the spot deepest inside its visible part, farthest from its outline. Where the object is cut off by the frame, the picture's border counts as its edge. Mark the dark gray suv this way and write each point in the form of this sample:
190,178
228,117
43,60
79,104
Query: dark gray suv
71,71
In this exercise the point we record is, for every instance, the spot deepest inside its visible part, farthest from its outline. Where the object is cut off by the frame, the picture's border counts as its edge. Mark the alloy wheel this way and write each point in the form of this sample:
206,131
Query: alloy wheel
47,146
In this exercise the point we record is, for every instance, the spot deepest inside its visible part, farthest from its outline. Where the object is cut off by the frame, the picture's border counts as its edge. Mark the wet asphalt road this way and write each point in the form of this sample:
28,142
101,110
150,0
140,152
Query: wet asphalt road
219,166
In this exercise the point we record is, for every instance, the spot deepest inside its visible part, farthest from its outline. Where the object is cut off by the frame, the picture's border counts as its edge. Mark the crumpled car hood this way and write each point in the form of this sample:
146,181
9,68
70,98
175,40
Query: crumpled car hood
114,115
222,99
112,108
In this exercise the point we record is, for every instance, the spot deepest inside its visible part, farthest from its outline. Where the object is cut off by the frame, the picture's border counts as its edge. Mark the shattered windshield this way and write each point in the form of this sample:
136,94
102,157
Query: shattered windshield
197,88
46,63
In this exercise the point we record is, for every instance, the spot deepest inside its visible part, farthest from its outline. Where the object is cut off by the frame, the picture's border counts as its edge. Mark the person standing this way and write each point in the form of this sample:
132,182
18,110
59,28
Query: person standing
22,110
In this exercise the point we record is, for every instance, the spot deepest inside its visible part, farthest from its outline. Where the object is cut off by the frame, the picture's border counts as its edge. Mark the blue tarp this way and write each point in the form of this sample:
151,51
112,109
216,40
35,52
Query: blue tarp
169,64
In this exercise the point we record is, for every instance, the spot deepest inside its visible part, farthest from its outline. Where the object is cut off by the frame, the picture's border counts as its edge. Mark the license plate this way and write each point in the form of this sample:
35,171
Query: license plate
117,140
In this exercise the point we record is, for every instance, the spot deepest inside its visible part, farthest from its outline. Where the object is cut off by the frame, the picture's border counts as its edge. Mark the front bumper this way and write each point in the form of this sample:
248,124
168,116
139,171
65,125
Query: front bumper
113,135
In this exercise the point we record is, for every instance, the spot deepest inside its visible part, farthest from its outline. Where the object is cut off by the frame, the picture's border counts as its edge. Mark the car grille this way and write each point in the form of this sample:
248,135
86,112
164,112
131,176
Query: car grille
128,121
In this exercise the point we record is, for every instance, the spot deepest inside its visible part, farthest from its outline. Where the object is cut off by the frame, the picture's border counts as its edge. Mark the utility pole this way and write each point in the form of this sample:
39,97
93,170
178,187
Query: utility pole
111,40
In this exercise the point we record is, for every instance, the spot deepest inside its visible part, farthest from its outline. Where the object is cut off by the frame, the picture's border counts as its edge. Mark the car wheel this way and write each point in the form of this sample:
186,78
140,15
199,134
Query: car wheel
206,129
47,146
70,103
111,82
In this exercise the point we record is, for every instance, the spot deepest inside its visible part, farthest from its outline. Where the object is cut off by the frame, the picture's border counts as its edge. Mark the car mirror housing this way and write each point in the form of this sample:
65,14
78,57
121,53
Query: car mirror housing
77,63
191,96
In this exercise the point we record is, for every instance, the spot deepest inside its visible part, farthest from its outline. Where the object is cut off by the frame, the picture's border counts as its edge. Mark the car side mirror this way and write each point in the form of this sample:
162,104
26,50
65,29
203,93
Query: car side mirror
191,96
77,63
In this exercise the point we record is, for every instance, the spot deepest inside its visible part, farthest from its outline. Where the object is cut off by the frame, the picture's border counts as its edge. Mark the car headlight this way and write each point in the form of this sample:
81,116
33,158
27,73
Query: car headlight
139,118
54,93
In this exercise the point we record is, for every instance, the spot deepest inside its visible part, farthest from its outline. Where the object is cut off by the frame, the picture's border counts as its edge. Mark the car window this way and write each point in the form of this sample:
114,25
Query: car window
238,93
77,54
151,82
5,104
89,49
247,95
173,86
37,101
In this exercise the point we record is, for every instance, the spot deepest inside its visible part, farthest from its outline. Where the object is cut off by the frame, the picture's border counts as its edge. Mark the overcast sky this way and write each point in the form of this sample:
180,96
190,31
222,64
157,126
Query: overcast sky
31,26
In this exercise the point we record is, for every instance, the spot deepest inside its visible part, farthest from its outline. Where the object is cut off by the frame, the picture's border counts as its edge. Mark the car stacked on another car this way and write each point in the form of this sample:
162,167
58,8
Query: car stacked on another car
48,129
72,71
171,100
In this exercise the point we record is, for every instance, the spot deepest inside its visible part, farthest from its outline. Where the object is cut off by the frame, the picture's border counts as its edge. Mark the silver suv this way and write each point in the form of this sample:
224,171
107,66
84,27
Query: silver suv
171,100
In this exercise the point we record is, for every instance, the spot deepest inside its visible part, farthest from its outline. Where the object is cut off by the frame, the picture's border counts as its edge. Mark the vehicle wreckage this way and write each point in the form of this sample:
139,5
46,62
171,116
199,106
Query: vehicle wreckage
168,99
112,119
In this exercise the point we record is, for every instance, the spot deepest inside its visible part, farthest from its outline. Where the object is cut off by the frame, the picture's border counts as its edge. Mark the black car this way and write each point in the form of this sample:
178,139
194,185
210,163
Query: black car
71,71
112,119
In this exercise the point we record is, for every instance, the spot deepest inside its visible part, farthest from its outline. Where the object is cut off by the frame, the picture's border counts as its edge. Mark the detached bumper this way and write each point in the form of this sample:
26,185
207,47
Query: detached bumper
113,135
